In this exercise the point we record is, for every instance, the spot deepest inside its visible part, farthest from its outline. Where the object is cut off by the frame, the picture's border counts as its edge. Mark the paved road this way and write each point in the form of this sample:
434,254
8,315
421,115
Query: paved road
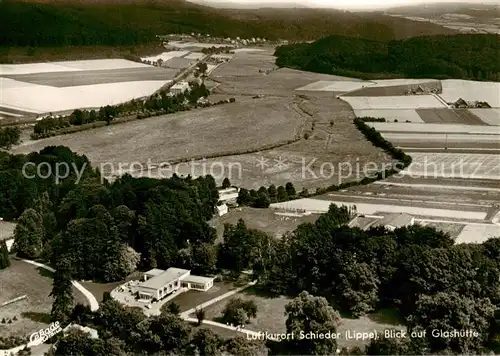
94,305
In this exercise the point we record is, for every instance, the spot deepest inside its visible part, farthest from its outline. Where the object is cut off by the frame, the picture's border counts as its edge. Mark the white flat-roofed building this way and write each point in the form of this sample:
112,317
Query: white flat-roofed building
159,283
222,209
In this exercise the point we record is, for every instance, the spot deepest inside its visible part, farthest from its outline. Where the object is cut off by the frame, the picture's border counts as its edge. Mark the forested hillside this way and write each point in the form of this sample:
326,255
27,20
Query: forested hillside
114,23
458,56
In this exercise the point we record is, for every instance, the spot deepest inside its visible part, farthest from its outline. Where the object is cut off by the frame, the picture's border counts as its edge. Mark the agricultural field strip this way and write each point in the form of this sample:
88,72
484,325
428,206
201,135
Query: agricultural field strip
91,77
334,86
411,128
397,82
42,98
180,44
321,206
393,102
165,56
441,138
436,186
489,116
9,114
454,89
401,115
475,166
478,233
69,66
405,200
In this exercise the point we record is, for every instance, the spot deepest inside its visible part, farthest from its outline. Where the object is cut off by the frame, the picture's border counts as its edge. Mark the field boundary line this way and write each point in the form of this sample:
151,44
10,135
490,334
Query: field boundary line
457,187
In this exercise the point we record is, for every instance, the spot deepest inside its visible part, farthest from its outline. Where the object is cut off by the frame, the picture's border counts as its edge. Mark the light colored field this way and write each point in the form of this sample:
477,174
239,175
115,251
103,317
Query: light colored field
180,44
92,77
489,116
321,206
454,165
42,98
478,233
421,139
195,56
165,56
68,66
334,86
434,128
391,115
247,50
454,89
394,82
393,102
218,129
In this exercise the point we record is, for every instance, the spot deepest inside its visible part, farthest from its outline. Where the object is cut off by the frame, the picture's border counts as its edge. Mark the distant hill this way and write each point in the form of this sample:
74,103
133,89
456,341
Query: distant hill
458,56
479,10
39,23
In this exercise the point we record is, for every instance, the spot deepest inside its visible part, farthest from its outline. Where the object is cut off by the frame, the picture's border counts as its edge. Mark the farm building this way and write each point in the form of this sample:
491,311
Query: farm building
394,221
222,209
159,283
179,88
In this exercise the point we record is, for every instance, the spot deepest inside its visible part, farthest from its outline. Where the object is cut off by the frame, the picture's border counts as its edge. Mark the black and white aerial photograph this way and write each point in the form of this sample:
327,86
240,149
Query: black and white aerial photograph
249,177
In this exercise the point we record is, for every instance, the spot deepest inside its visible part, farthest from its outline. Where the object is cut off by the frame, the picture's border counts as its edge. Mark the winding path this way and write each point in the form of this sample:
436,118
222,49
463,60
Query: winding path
94,305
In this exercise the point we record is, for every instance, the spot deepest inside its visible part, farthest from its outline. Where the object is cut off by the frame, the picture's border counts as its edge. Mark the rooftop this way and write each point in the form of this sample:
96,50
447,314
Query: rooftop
154,272
197,279
165,277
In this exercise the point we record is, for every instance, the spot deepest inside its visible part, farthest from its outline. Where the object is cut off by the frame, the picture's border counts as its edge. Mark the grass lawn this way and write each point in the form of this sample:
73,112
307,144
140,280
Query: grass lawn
270,311
265,220
33,312
271,317
192,298
223,129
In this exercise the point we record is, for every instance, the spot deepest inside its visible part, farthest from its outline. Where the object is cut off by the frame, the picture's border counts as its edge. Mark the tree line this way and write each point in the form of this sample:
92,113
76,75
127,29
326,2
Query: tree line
462,56
158,104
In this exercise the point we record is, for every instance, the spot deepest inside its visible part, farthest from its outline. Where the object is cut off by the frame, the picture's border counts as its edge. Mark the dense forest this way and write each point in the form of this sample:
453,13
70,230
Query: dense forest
112,23
458,56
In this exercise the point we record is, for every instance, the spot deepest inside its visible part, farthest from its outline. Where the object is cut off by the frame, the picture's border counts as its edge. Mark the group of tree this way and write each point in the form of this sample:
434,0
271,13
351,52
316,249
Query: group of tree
9,136
264,196
127,331
238,312
463,56
157,104
106,230
416,270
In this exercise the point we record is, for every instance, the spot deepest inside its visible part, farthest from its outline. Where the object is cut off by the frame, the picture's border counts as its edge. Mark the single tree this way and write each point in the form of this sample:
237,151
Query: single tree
310,314
62,291
200,315
226,183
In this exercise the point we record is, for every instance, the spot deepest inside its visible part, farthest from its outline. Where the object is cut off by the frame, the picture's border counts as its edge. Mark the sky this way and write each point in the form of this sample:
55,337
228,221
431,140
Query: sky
349,4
